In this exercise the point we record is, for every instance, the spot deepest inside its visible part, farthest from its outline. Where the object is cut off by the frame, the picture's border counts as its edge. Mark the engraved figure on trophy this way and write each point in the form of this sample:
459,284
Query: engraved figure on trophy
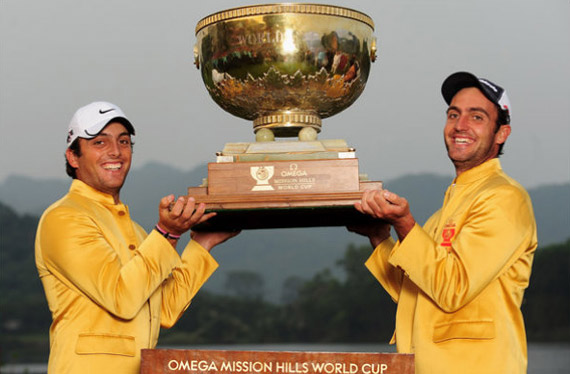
262,175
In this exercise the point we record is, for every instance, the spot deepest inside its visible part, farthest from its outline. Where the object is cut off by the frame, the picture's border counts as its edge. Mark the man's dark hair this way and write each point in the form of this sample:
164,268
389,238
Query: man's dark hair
503,118
70,170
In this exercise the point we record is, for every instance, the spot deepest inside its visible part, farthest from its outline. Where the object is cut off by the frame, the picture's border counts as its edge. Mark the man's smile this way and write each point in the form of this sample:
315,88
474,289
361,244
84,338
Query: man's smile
113,166
462,140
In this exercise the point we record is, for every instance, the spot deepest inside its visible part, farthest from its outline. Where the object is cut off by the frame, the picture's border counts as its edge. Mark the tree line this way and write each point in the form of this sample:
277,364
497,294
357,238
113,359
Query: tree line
327,308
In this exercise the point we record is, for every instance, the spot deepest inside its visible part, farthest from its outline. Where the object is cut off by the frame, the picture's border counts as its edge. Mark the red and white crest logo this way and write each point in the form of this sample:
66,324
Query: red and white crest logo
448,234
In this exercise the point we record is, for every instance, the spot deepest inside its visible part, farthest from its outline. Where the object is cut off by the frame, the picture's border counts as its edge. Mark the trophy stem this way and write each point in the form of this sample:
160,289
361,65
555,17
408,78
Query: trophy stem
287,123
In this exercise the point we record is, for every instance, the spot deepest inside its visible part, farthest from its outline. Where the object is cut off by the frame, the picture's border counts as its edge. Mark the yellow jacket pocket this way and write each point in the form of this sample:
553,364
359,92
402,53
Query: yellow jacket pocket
464,330
123,345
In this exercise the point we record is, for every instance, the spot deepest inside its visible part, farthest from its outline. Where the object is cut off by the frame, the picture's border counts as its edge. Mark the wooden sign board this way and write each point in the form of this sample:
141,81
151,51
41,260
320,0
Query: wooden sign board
170,361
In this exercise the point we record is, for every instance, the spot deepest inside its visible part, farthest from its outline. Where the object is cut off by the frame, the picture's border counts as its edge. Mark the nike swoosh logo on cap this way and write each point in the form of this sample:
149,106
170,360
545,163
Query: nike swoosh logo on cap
106,111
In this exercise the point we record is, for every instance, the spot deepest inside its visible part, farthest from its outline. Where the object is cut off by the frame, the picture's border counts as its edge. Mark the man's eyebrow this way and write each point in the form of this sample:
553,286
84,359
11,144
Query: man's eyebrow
473,109
103,133
479,109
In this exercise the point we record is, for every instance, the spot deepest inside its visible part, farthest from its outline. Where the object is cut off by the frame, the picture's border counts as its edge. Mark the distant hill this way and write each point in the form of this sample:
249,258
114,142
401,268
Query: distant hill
152,181
278,254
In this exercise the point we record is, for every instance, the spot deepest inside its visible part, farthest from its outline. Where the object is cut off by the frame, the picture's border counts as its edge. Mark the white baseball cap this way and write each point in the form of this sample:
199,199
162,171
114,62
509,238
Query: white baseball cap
89,120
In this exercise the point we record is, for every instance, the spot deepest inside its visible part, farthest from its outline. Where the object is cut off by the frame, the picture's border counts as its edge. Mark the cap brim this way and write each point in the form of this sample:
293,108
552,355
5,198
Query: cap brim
456,82
93,131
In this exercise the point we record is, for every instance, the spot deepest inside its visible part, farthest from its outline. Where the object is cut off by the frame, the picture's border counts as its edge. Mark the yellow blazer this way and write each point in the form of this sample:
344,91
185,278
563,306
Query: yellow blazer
459,281
109,286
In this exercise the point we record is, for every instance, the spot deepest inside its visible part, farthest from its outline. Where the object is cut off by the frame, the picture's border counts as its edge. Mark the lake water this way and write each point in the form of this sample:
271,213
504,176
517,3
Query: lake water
543,358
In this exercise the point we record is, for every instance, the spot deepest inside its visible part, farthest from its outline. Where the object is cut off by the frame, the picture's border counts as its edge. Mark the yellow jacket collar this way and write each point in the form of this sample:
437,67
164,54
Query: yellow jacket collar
83,189
479,171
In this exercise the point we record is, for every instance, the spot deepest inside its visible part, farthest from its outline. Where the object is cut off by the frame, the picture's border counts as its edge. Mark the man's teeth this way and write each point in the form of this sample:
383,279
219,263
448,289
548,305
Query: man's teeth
462,141
112,166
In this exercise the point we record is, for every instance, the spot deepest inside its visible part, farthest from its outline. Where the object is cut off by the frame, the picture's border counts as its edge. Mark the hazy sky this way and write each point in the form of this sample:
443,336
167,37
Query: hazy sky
58,55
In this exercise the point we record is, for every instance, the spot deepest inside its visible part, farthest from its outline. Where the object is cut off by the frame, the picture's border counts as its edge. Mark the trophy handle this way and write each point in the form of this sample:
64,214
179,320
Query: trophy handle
373,50
196,56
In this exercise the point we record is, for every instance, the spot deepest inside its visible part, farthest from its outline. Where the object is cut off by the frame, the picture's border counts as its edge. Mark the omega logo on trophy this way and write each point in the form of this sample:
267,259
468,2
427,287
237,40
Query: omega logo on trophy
285,67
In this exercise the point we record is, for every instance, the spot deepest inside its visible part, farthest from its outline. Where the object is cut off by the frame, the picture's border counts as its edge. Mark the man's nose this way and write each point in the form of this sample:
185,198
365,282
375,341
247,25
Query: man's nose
462,122
114,148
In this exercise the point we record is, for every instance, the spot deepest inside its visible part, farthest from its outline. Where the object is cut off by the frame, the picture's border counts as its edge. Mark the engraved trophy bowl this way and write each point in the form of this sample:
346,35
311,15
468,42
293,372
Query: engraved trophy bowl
285,66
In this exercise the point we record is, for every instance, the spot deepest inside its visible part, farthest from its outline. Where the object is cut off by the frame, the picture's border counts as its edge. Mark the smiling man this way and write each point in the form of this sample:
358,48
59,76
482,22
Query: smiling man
459,281
109,285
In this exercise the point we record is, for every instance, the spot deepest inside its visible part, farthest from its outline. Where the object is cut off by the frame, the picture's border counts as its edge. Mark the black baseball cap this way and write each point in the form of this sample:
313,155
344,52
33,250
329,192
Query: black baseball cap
460,80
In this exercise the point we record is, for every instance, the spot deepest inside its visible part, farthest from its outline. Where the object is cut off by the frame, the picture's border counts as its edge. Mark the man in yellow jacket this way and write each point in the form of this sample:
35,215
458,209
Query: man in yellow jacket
109,285
459,281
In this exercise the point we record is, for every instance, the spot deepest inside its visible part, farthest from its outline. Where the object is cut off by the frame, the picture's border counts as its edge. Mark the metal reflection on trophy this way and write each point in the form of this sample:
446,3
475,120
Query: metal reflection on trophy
285,67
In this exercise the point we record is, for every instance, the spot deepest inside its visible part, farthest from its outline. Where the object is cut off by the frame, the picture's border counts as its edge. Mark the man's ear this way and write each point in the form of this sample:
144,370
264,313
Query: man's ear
71,158
503,134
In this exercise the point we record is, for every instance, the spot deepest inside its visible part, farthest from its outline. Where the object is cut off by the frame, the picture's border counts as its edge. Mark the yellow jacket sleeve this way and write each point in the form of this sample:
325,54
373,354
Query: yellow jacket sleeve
389,276
196,267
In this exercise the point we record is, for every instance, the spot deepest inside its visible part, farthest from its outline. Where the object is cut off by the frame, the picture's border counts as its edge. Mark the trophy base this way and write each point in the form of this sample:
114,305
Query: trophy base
282,194
304,211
